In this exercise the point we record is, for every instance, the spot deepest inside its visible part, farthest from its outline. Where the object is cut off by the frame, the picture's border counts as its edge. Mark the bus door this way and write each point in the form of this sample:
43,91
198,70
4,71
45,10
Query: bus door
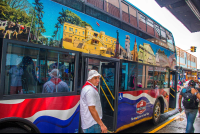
173,89
108,86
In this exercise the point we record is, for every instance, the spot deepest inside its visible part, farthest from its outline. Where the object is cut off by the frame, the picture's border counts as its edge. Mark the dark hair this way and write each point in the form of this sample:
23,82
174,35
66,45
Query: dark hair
95,68
192,83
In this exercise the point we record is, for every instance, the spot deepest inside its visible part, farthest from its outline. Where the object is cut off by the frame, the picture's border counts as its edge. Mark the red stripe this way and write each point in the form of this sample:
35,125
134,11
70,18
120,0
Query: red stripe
154,93
87,83
31,106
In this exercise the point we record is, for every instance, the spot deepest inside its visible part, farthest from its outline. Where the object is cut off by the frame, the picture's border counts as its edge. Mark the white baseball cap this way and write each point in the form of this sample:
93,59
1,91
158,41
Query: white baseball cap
92,73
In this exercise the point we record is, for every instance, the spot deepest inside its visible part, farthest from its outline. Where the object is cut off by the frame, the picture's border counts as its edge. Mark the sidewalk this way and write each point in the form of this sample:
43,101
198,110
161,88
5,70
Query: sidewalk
179,125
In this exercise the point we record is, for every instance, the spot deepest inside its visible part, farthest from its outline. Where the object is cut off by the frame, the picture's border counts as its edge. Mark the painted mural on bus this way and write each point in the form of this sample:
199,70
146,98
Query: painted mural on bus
67,28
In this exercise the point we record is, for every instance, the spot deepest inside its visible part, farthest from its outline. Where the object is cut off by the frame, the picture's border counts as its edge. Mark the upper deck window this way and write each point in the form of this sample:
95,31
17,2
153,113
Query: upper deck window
142,22
32,70
97,3
169,38
150,26
125,14
170,41
112,7
158,34
133,16
163,34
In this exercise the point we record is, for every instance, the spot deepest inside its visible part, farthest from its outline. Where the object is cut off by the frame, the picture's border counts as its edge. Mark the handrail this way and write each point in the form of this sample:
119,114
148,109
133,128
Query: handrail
107,99
108,87
172,89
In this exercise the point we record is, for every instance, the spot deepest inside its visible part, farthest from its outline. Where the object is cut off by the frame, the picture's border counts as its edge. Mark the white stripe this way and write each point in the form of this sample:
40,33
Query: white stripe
59,114
131,97
11,101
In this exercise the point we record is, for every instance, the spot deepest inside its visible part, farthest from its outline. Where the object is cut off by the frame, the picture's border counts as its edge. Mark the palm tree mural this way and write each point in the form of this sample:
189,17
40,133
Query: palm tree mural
70,17
57,26
39,13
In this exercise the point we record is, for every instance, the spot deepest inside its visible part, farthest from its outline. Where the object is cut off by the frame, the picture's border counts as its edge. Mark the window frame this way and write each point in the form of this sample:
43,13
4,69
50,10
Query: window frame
120,69
39,95
143,75
153,76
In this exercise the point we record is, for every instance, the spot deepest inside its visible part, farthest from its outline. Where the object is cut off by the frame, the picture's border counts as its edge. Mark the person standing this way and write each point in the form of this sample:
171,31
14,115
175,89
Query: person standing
90,105
55,84
190,104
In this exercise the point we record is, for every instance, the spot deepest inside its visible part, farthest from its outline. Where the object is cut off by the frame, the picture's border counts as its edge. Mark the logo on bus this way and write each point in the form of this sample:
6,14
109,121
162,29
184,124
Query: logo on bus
141,107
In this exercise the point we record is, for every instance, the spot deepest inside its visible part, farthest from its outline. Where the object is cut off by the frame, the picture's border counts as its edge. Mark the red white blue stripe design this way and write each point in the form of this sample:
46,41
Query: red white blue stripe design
137,105
53,114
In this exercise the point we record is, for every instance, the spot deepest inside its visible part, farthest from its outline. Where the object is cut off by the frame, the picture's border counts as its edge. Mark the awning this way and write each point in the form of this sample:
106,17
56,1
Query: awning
186,11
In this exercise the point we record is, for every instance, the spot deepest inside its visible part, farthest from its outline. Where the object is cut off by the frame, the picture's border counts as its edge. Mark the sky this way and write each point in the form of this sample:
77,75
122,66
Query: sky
182,36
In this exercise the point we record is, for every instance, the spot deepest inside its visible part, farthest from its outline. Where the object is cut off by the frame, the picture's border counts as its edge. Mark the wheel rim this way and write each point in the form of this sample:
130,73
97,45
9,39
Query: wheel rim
157,112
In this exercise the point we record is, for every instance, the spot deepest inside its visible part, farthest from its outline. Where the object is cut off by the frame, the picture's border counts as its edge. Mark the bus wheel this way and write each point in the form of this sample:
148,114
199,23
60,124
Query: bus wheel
156,112
13,130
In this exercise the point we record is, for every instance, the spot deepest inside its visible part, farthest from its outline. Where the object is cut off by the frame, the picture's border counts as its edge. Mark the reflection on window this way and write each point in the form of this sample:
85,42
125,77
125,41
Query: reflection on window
125,14
160,78
112,7
133,19
149,77
150,27
142,22
132,76
33,70
163,34
97,3
157,27
170,41
141,76
128,76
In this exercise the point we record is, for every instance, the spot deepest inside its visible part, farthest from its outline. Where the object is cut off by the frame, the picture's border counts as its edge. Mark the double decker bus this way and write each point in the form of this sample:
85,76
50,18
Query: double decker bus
135,55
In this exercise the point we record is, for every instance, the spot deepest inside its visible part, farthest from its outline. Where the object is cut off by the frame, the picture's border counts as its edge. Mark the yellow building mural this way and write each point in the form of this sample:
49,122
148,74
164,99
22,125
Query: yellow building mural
146,54
88,41
134,52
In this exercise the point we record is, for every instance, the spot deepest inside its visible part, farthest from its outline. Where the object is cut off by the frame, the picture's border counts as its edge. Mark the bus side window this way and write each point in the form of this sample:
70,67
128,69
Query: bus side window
141,76
33,70
21,70
128,74
149,77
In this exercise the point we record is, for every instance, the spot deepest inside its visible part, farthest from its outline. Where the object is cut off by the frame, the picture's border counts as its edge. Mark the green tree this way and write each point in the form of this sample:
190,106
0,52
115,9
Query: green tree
57,26
84,24
39,13
70,17
51,42
19,4
13,14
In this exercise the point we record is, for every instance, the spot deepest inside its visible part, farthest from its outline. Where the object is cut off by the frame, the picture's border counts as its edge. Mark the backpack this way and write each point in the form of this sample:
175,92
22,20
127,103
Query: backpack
190,100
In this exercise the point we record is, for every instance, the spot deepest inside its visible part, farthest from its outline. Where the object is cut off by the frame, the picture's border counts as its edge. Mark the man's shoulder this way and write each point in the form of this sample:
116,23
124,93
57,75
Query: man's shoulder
48,83
87,88
185,90
64,83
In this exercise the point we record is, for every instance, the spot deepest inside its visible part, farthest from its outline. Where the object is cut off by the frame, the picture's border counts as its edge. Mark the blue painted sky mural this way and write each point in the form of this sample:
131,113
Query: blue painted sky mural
51,13
49,35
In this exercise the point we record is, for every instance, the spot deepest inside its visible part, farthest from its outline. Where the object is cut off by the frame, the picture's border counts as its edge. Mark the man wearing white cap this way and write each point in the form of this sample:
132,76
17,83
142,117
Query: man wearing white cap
55,84
90,105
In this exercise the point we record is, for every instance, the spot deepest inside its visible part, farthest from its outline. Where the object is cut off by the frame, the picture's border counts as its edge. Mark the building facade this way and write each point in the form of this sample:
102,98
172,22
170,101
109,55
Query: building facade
87,40
146,54
188,62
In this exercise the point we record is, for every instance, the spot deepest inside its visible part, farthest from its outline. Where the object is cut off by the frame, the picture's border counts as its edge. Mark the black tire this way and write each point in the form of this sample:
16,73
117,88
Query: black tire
156,112
13,130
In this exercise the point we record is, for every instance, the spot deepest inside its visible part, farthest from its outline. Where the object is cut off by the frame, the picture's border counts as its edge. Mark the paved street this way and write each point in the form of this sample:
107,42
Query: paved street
179,125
